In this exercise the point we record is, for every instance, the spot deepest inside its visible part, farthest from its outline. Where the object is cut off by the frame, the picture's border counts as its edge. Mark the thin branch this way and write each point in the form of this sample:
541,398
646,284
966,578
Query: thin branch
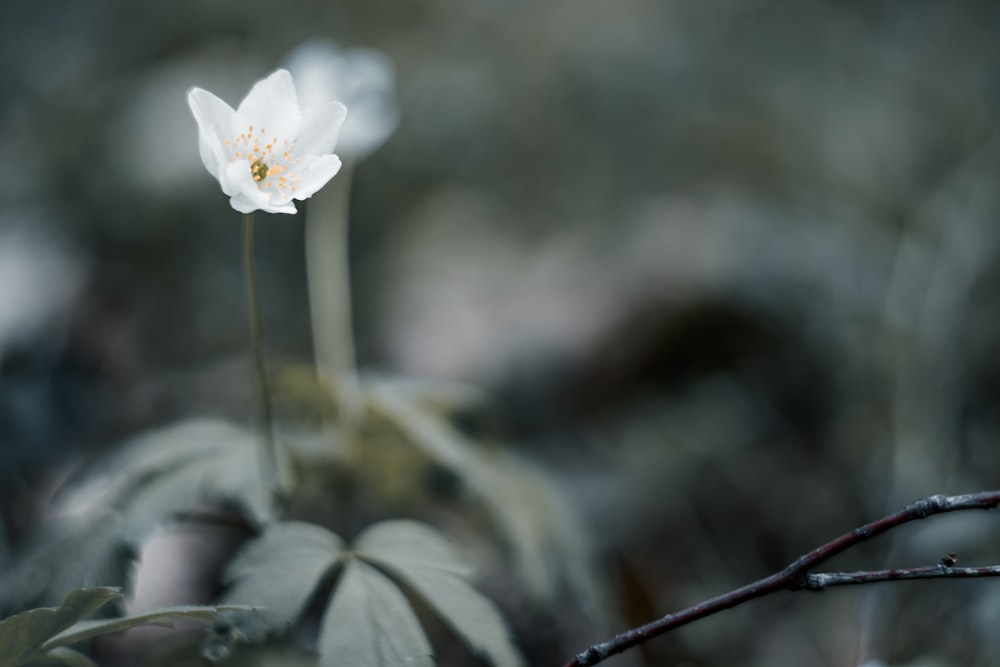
796,576
819,581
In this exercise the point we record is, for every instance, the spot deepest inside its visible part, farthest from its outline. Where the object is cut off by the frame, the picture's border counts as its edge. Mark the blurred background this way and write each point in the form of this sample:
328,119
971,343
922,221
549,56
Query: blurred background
729,269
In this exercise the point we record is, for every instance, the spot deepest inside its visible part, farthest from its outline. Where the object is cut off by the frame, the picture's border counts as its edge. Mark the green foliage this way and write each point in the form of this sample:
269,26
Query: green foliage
280,569
155,476
146,483
158,477
67,553
542,532
368,620
45,633
548,544
418,557
23,637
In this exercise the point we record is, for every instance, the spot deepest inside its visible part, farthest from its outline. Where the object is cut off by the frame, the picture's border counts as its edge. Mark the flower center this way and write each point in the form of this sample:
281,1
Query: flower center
258,169
271,161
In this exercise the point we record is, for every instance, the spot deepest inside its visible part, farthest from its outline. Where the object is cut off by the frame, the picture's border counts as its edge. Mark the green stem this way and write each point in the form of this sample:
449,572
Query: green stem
328,271
268,455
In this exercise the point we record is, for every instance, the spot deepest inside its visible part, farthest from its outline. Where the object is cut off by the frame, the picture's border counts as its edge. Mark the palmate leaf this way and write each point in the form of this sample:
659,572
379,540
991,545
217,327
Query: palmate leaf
369,623
548,544
411,542
46,632
279,571
424,561
172,470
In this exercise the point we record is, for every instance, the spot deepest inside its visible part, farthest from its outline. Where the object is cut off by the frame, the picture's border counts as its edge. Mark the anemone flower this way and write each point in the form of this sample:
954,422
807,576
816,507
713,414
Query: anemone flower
270,150
363,79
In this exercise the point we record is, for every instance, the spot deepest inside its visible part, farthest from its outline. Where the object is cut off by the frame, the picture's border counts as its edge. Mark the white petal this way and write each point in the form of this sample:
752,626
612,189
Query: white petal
216,121
314,173
273,105
287,206
320,127
244,204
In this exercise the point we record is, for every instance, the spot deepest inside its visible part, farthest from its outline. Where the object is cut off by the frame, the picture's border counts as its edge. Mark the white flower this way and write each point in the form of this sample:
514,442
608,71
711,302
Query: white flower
363,79
269,151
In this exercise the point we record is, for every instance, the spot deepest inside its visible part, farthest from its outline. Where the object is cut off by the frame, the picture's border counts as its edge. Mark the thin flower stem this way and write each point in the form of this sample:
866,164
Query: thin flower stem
796,576
329,276
268,459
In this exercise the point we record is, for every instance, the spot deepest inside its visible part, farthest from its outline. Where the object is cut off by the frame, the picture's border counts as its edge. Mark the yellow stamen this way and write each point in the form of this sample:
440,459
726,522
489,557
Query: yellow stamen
259,170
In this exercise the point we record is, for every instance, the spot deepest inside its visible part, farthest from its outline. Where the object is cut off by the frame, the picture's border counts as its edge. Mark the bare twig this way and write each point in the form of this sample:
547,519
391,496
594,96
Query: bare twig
796,576
819,581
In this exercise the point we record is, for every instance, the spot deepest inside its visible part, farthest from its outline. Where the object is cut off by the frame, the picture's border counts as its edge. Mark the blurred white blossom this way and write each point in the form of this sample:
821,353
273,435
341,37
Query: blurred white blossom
40,278
363,79
270,150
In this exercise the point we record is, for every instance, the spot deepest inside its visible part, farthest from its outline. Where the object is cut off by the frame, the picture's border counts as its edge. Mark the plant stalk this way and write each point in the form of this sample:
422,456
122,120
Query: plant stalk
268,458
329,278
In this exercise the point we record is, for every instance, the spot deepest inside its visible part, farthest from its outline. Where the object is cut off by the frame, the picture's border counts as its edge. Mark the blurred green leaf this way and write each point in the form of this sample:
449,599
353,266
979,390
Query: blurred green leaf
427,563
298,388
172,470
278,572
88,629
369,623
44,633
549,545
22,636
68,656
272,654
411,542
437,397
64,554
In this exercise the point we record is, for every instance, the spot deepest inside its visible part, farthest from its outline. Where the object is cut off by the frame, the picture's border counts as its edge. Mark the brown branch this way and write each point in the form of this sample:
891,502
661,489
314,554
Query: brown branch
796,576
817,582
